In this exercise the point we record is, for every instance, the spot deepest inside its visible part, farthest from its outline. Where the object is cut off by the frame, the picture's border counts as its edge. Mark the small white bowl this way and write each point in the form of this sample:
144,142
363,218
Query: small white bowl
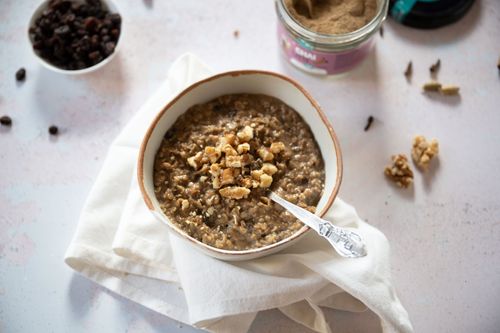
107,4
254,82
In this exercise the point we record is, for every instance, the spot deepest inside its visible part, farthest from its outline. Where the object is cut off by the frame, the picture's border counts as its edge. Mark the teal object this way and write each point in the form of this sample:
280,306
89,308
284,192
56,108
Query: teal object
401,8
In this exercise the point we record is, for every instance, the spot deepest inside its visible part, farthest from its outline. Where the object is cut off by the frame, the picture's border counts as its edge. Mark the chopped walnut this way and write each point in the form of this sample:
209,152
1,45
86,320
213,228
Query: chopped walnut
243,148
423,151
247,182
256,174
184,204
400,171
227,177
246,159
213,153
216,183
269,168
265,154
234,192
277,147
229,138
230,164
265,180
233,162
195,160
246,134
215,170
229,150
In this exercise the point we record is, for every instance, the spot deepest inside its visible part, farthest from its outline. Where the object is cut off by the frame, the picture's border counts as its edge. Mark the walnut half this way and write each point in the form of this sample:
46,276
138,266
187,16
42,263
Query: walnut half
423,151
400,172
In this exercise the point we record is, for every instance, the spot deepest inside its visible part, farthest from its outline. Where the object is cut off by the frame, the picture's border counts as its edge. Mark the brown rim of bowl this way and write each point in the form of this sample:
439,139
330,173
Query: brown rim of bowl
301,231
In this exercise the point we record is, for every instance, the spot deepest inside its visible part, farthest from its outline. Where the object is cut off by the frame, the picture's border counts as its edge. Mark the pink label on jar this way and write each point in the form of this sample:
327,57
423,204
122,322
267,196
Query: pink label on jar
303,55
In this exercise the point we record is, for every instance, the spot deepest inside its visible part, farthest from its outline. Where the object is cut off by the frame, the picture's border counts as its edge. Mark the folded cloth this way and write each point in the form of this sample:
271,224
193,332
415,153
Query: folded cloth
121,246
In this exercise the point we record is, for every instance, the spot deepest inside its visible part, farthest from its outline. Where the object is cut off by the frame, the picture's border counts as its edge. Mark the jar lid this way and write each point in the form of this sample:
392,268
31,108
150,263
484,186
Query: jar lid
428,14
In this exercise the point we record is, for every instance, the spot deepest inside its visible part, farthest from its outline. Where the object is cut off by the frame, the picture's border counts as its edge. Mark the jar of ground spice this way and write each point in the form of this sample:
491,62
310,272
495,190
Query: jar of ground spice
328,36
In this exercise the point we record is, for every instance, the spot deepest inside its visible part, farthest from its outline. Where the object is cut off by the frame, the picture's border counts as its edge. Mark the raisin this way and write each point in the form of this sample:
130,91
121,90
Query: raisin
21,74
6,121
53,130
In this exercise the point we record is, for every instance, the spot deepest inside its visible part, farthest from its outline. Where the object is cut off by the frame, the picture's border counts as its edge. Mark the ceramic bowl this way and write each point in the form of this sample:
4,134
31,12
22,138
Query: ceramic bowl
255,82
109,5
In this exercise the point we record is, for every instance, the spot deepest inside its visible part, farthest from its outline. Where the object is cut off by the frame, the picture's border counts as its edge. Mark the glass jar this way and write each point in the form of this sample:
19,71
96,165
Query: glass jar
322,53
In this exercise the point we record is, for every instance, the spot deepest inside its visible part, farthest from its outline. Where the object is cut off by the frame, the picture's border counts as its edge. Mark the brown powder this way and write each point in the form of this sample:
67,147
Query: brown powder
333,16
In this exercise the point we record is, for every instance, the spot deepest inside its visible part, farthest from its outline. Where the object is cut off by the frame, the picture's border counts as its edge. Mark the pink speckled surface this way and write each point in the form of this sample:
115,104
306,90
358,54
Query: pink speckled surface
444,232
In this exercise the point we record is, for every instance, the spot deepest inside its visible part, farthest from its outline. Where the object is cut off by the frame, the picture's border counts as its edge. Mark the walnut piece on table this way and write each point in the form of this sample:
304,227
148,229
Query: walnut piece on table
423,151
400,171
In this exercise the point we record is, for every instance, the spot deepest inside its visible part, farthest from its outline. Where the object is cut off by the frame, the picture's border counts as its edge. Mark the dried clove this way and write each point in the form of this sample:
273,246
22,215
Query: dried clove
369,122
409,70
381,31
435,67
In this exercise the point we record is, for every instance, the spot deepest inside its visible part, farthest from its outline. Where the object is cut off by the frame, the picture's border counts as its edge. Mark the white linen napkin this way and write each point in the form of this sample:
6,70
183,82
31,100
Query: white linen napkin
121,246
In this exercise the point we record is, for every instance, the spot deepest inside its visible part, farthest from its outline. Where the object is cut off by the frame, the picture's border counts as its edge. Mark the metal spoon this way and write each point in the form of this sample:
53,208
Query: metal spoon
347,243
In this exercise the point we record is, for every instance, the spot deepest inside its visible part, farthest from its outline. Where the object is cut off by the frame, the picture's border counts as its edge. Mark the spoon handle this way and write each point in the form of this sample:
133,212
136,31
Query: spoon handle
347,243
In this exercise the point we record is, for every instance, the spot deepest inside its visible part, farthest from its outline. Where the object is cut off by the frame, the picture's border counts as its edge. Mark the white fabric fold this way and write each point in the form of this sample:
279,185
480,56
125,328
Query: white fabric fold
119,245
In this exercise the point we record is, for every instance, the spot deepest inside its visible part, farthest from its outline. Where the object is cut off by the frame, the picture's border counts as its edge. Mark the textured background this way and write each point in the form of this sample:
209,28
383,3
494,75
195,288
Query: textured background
444,232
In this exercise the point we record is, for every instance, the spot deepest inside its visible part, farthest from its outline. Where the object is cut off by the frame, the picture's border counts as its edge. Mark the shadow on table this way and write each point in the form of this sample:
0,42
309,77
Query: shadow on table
146,320
273,321
444,35
86,103
83,295
430,174
84,298
448,100
404,193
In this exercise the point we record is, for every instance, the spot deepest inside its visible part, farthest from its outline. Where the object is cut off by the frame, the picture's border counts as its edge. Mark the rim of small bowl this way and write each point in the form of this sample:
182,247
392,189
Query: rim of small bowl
140,166
111,6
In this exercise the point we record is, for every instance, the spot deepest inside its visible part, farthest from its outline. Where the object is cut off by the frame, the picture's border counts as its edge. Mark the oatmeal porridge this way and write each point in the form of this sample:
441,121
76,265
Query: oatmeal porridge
218,162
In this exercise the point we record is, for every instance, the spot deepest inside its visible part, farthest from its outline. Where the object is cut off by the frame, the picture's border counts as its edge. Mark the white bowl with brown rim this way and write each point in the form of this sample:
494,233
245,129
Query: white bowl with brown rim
252,82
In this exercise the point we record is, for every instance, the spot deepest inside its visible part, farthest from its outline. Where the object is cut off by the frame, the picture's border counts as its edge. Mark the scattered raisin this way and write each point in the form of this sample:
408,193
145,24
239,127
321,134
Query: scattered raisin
21,74
53,130
6,121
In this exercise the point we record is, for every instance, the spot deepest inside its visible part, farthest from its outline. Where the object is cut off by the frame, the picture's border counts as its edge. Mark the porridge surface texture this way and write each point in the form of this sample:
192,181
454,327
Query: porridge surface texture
218,162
